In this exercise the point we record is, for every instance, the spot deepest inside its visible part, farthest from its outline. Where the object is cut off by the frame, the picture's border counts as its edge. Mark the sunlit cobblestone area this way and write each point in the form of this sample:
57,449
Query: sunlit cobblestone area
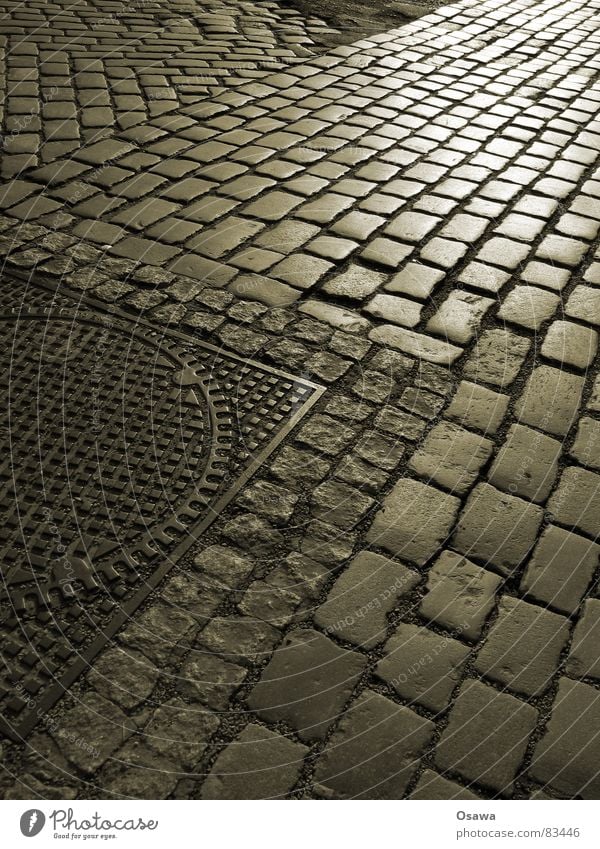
403,601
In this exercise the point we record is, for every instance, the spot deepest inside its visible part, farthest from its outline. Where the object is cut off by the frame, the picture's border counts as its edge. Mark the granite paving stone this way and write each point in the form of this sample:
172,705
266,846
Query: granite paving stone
497,529
560,569
415,521
550,400
416,280
576,499
307,683
460,595
357,605
584,658
422,666
526,464
459,316
585,446
501,723
375,750
570,344
523,647
357,282
394,309
477,407
416,344
584,304
273,761
566,756
181,732
433,786
409,220
451,457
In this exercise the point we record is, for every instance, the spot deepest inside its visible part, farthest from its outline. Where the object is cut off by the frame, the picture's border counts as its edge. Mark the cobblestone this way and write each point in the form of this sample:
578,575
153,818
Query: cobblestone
577,499
90,733
476,407
274,761
565,758
434,786
383,218
357,606
570,344
452,457
523,648
497,528
422,666
527,464
501,722
497,358
414,521
560,569
324,677
370,724
550,400
460,595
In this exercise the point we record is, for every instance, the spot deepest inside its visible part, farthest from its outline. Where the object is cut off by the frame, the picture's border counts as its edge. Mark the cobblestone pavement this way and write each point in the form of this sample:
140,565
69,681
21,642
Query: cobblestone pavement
404,601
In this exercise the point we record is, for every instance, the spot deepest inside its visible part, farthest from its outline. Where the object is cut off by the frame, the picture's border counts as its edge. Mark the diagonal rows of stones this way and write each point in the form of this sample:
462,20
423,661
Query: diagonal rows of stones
413,221
76,70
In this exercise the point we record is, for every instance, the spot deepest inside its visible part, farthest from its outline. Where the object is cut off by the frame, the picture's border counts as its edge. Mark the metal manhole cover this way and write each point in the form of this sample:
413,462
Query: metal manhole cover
121,443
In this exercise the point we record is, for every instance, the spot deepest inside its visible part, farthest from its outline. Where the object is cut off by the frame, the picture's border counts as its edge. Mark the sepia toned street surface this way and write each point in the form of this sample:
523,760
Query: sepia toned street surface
301,468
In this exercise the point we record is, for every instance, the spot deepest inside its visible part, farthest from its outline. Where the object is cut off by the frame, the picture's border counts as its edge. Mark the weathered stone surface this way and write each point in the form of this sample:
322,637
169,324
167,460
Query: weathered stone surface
157,632
476,407
432,786
90,733
560,569
209,679
460,595
253,534
240,639
523,647
576,501
125,677
571,344
142,773
375,750
358,603
422,666
527,464
414,521
586,448
325,434
497,528
180,731
452,457
566,757
497,357
222,567
306,683
339,504
416,344
550,400
486,737
259,764
459,316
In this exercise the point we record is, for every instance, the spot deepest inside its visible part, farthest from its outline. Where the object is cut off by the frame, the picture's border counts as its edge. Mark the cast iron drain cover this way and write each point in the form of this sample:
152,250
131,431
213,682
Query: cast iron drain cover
122,443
